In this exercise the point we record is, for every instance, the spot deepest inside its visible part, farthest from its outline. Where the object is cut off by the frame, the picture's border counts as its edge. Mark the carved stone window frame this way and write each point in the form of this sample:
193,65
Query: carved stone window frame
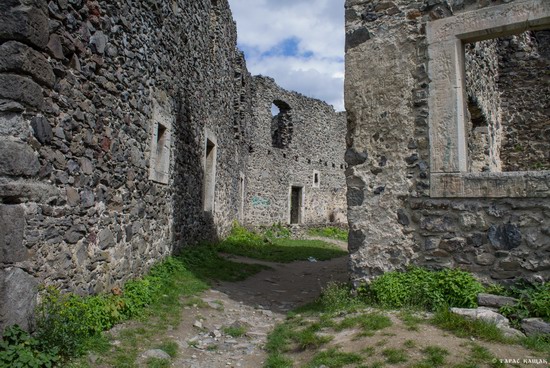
449,176
161,143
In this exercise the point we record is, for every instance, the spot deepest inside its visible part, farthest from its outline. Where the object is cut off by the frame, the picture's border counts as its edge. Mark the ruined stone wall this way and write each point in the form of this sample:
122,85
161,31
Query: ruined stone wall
307,140
400,209
105,109
506,80
525,86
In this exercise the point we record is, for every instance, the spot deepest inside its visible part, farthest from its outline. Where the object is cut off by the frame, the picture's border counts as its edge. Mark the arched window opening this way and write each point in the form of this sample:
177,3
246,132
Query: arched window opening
281,124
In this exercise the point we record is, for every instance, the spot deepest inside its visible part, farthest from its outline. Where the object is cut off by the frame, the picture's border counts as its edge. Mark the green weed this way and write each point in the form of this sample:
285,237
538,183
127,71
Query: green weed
235,331
394,356
277,249
464,327
278,361
419,287
334,358
330,232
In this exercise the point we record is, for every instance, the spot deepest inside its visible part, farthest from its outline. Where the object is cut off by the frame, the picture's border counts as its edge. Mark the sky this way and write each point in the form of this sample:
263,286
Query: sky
299,43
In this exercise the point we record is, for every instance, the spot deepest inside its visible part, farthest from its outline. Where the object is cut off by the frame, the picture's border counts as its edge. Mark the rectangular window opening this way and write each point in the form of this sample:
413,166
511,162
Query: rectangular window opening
209,176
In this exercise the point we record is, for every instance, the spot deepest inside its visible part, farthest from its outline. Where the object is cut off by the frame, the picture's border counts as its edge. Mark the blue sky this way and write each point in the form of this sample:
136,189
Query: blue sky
300,43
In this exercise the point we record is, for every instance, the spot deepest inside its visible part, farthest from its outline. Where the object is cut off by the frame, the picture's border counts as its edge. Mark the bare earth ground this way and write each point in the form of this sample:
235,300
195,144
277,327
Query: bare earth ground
260,302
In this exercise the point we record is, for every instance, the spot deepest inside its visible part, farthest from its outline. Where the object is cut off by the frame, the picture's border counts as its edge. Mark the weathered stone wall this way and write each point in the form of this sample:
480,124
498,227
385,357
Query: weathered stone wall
309,140
395,218
506,80
525,86
92,190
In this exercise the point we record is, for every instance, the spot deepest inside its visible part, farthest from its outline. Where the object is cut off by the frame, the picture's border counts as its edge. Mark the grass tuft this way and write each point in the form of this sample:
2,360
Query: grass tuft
394,356
464,327
334,358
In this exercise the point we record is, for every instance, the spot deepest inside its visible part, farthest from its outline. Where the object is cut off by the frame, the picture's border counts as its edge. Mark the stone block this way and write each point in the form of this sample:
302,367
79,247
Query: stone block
505,236
20,191
20,58
17,159
535,326
21,89
495,301
42,129
18,292
24,23
13,124
105,239
12,220
356,38
483,314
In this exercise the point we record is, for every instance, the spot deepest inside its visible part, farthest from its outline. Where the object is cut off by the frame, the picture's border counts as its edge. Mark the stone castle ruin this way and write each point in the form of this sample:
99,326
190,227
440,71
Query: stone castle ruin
132,129
448,136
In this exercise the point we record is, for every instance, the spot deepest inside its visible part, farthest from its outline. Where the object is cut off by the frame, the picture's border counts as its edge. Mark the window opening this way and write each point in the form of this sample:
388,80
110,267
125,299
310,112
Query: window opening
281,124
507,91
241,191
449,43
316,181
159,159
209,175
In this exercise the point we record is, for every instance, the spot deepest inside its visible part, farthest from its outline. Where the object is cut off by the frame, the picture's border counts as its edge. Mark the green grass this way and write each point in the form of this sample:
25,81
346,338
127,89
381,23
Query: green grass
330,232
434,357
278,361
367,322
201,265
235,331
333,358
276,246
170,347
410,320
283,250
206,264
464,327
538,343
394,356
158,363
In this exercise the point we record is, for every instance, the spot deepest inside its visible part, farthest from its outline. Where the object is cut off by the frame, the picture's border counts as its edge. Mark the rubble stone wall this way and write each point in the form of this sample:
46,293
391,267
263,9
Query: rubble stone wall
132,129
313,149
103,112
499,229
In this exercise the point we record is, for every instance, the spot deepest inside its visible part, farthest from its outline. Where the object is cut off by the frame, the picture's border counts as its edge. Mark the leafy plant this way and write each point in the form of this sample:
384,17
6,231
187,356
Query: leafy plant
330,232
19,350
533,301
277,231
422,288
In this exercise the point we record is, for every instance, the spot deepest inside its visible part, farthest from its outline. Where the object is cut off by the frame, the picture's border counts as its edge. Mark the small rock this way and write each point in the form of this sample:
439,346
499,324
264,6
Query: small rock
495,301
483,314
535,326
156,353
267,313
198,324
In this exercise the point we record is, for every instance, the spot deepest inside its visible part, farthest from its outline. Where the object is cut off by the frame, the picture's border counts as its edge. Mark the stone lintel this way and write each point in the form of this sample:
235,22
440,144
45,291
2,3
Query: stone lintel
528,184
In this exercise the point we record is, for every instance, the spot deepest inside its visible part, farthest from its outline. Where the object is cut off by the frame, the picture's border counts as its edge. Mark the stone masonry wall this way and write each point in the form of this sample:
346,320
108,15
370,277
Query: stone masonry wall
393,220
92,190
506,78
313,143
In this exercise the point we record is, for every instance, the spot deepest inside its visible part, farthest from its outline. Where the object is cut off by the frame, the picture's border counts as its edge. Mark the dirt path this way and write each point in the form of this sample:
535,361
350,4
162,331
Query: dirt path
253,307
256,304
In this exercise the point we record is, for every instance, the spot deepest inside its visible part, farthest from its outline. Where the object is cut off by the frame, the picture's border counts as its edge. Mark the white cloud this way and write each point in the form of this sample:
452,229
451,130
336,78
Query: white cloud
317,68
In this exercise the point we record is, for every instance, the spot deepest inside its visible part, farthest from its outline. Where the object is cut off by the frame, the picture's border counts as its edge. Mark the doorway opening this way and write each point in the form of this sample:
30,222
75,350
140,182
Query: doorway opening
296,199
